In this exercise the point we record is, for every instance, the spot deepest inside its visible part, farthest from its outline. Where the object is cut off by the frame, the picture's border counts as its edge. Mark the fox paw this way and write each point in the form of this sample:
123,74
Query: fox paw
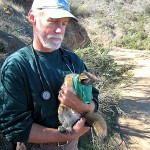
69,129
61,129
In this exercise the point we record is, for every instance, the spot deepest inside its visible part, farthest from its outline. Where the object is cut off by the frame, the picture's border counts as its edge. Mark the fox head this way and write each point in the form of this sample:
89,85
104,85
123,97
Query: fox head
87,78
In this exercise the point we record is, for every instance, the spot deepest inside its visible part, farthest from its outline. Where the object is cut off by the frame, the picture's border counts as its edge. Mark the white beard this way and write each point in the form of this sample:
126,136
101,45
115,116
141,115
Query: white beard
49,43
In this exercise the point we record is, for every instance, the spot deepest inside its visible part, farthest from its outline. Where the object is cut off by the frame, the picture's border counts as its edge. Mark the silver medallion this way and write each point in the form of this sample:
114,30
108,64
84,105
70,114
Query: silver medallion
46,95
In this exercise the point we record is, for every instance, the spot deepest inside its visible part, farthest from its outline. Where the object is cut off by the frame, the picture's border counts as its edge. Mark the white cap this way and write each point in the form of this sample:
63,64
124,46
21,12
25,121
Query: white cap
54,8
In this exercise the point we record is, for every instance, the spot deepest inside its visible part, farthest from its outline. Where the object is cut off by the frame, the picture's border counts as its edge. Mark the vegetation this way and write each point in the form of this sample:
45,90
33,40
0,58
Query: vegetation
135,35
119,23
112,76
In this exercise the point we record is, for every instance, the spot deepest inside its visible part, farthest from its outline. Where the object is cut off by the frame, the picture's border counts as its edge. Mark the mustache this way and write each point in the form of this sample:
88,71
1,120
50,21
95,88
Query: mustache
59,36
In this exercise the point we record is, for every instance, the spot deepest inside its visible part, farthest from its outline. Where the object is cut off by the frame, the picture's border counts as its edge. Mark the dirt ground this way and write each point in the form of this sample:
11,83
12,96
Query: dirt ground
135,126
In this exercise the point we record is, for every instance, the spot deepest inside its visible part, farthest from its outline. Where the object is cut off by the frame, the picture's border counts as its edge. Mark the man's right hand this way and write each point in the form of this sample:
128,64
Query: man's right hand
41,134
79,128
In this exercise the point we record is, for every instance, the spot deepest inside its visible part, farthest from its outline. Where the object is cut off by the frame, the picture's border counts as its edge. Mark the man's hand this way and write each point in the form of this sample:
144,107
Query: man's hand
79,128
71,100
68,98
41,134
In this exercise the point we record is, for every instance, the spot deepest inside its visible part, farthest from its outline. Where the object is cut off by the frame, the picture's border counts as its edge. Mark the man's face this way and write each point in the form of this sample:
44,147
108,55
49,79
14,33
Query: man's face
50,31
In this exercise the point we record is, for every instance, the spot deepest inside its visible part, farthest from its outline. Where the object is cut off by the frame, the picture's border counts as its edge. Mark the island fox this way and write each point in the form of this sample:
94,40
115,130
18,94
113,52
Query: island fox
68,117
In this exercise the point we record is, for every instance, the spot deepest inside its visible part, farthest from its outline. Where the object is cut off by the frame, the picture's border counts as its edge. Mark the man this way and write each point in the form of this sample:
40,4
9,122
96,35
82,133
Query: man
31,79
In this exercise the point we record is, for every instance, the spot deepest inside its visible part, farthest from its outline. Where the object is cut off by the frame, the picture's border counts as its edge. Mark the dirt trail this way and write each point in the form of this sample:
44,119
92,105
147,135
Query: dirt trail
136,102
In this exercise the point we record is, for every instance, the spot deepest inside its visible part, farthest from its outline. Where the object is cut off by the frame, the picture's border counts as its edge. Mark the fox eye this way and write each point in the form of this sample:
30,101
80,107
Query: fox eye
86,81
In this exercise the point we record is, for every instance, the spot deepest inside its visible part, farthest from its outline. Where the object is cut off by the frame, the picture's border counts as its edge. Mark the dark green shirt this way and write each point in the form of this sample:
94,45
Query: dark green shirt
21,103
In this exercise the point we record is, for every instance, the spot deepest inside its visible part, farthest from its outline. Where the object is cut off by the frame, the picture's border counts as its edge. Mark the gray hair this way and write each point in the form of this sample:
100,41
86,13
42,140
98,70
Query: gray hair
38,12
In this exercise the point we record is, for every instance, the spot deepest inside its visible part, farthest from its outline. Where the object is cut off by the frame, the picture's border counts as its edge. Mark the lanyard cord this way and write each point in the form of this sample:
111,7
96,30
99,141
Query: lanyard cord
46,94
63,57
38,69
70,68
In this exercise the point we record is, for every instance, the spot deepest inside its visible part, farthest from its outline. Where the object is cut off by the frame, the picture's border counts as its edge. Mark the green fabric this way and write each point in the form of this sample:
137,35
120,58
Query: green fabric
83,91
20,91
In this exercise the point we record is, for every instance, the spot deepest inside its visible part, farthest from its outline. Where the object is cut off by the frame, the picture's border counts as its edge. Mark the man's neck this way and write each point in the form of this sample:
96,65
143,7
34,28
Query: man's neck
39,47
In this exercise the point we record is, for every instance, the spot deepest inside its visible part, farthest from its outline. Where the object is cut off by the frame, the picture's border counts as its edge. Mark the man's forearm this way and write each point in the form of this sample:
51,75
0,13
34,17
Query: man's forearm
87,108
41,134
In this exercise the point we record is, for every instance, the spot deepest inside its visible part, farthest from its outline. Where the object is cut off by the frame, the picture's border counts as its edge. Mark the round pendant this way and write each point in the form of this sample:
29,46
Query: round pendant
46,95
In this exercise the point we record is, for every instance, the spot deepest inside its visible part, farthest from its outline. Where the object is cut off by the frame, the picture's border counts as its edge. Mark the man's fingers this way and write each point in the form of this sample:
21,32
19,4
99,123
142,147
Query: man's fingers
81,122
63,87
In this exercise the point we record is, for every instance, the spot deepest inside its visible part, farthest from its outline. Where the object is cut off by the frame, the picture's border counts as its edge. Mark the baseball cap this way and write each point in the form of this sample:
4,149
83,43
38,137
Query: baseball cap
54,8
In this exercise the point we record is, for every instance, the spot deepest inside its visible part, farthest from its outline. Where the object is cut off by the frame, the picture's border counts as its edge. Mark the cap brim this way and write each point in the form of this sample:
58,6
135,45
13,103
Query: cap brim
59,13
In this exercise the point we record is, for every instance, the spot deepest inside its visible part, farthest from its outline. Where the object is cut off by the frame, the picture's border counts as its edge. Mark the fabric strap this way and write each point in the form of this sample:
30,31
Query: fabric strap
83,91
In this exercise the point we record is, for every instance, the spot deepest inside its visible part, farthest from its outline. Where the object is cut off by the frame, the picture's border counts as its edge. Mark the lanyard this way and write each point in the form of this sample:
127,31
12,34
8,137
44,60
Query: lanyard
65,61
45,94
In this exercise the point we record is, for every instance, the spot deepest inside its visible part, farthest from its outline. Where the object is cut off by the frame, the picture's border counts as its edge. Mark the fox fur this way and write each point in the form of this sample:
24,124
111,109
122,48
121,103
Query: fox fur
68,117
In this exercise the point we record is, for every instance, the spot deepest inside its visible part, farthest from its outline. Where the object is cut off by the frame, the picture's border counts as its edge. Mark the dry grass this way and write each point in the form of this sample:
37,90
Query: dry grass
109,20
14,21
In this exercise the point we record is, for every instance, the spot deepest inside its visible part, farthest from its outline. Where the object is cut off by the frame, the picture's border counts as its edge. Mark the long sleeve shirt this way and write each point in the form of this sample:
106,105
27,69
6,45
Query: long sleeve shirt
21,103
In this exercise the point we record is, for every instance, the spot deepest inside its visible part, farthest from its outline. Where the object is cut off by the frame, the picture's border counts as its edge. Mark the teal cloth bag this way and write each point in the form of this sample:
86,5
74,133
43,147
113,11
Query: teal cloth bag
83,91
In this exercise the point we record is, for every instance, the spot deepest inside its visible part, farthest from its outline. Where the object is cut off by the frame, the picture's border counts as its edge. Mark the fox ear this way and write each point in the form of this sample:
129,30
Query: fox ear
92,77
87,78
84,79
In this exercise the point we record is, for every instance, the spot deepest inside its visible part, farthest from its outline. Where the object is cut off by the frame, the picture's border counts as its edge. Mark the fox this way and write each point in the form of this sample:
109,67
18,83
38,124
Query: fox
68,117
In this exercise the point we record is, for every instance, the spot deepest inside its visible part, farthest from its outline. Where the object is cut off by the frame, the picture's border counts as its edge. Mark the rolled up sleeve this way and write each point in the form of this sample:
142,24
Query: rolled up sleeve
15,115
95,93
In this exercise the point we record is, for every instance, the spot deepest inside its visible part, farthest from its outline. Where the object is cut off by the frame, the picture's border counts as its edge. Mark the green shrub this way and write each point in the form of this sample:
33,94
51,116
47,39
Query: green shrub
139,40
147,10
99,14
111,75
97,60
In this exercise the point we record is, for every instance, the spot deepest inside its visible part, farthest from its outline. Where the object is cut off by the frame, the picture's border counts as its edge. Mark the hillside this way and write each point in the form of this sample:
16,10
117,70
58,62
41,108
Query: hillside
110,23
121,23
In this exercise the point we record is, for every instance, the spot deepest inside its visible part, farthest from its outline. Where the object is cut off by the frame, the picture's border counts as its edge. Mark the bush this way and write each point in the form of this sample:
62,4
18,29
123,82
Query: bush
138,40
99,63
147,10
111,75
